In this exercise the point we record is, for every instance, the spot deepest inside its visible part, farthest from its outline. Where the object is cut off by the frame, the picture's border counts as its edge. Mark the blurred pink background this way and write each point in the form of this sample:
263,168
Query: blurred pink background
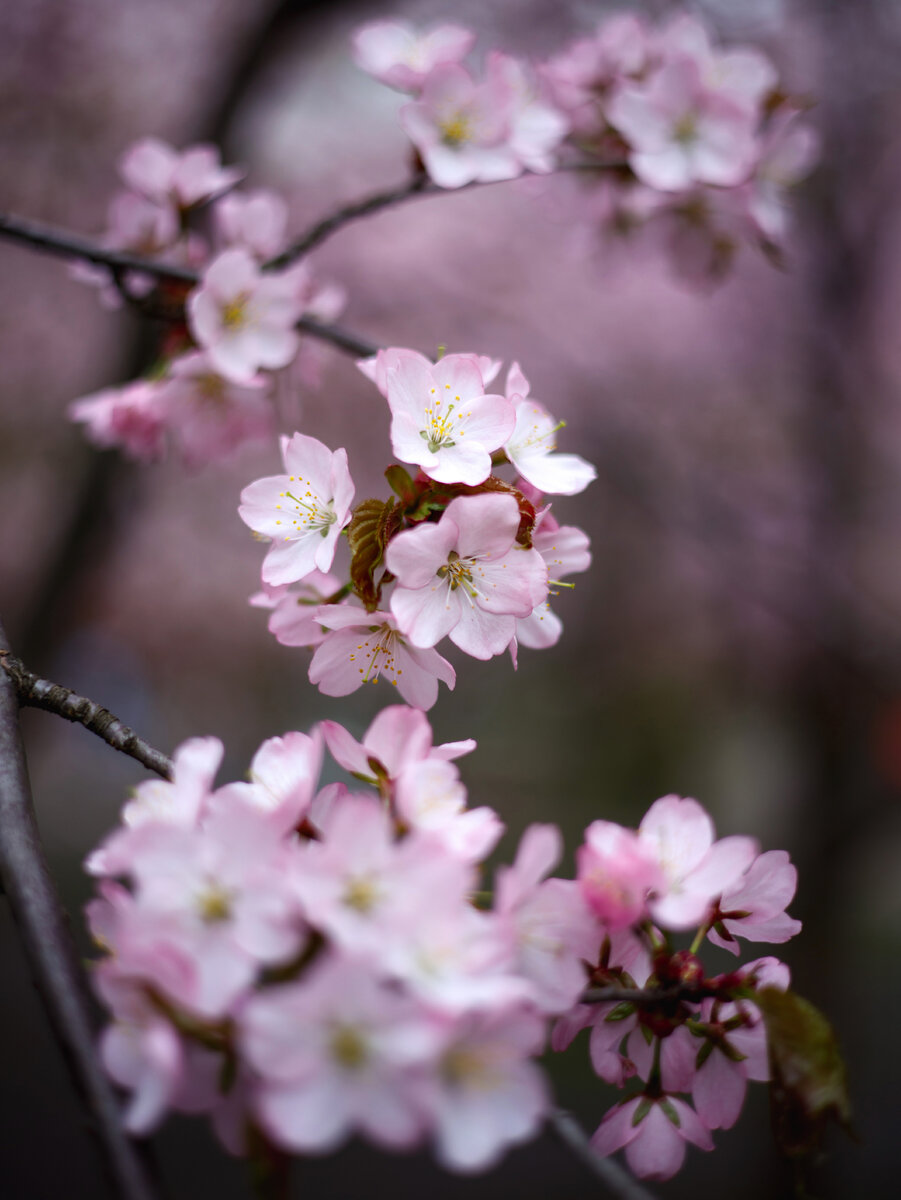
738,637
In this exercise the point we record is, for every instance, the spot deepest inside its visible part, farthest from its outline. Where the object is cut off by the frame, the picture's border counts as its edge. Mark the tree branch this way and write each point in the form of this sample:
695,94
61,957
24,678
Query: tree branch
418,185
33,692
53,958
614,1178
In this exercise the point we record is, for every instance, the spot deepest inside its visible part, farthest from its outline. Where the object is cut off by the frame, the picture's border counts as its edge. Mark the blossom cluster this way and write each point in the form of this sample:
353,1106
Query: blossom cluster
213,388
471,556
706,139
314,962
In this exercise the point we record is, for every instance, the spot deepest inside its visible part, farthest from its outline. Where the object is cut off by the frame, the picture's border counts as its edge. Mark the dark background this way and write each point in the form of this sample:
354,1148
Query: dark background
737,639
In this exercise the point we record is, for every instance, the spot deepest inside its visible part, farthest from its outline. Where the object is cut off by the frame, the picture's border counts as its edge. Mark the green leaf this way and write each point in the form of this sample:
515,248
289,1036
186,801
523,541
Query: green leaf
808,1072
401,484
625,1009
642,1110
670,1112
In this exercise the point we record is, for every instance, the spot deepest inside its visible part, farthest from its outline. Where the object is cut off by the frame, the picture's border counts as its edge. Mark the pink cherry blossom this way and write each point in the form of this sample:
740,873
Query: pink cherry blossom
616,871
243,319
130,417
257,220
466,577
461,129
680,132
284,772
294,608
398,738
742,74
789,151
680,835
654,1132
488,1094
531,445
754,906
441,418
209,415
364,646
185,178
736,1055
396,54
551,926
339,1052
536,128
565,550
430,798
303,511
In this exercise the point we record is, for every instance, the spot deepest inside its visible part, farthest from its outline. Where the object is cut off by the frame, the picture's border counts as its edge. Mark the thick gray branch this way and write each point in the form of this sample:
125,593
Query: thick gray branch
52,956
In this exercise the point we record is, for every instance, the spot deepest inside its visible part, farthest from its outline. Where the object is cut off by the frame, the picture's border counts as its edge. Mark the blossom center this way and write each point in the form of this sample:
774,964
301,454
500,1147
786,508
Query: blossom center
348,1047
458,573
685,131
234,313
313,515
439,432
456,130
361,893
214,903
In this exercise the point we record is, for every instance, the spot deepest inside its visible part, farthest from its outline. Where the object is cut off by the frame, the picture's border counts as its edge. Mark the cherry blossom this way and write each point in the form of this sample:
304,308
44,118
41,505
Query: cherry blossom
754,906
131,417
654,1132
303,511
565,550
461,128
465,577
256,220
435,407
396,54
153,169
531,446
244,320
364,646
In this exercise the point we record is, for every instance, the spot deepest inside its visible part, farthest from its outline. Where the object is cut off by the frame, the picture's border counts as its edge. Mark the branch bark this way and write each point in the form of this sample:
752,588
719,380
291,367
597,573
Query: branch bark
52,956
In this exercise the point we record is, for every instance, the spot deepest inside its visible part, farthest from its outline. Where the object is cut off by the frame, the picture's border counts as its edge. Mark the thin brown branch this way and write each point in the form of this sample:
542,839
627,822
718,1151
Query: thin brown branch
418,185
34,692
617,1181
652,996
53,958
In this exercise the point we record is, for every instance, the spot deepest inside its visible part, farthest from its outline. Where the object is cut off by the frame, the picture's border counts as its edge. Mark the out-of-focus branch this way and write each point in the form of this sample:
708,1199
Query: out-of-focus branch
418,185
53,958
610,1174
33,692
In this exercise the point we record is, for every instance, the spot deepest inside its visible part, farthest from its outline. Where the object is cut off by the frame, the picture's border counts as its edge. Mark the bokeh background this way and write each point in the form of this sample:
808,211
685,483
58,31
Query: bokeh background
737,639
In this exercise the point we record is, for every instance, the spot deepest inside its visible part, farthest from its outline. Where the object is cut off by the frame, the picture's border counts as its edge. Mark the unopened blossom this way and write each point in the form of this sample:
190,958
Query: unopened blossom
488,1094
131,418
616,871
532,445
466,577
210,416
256,220
654,1132
185,178
679,834
754,906
461,129
362,647
302,511
396,54
243,319
680,132
442,420
398,738
339,1052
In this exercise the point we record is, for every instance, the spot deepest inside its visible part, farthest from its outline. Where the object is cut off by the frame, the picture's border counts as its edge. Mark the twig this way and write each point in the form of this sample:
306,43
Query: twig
693,993
52,955
33,692
617,1181
418,185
